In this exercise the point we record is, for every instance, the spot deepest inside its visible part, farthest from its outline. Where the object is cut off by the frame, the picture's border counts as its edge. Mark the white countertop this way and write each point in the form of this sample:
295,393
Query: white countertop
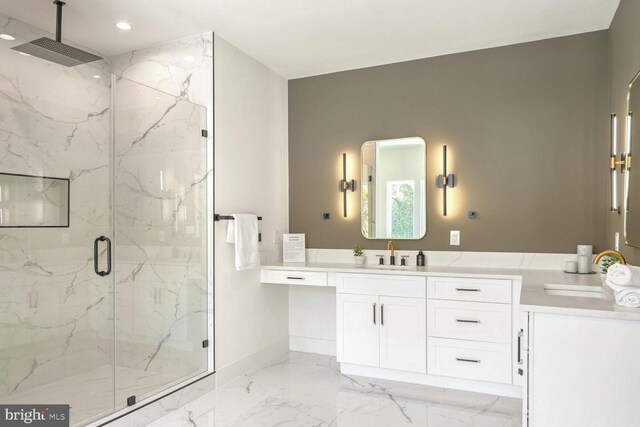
533,298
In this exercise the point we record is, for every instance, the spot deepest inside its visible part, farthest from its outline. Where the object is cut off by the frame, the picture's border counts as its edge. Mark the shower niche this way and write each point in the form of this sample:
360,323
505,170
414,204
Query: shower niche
33,201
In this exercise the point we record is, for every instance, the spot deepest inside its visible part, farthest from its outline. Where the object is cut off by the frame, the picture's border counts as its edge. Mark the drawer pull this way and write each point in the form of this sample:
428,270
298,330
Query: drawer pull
467,321
467,290
295,278
467,360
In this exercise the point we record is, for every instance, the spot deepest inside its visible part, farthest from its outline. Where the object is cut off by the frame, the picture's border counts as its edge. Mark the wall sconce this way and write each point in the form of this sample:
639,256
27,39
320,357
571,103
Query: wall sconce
445,180
346,184
614,163
626,157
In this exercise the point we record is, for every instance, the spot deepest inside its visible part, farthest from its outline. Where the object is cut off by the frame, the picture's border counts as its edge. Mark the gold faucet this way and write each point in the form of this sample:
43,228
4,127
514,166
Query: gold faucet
392,258
614,254
391,248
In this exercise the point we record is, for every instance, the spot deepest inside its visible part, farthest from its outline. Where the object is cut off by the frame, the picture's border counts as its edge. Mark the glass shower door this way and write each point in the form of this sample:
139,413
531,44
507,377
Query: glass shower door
160,212
56,313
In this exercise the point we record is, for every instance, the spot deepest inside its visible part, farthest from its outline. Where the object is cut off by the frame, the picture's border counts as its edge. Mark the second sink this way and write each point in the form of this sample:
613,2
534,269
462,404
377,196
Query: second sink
575,291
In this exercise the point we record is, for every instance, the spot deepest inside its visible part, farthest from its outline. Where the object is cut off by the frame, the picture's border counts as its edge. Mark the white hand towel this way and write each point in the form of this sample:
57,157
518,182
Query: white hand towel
623,275
616,288
628,297
243,232
231,232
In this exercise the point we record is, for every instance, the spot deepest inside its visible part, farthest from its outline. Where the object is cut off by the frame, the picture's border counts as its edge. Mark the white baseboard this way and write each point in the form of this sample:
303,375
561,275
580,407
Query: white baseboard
232,371
497,389
312,345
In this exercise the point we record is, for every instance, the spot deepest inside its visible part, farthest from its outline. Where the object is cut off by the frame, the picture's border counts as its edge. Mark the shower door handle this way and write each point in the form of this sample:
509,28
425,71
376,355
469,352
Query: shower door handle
96,255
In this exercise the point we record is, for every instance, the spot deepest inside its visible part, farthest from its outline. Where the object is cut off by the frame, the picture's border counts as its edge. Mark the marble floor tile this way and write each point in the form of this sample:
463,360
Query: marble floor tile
300,389
91,394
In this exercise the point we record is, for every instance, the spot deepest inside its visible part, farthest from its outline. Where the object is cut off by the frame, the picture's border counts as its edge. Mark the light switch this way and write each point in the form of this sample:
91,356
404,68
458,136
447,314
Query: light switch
454,238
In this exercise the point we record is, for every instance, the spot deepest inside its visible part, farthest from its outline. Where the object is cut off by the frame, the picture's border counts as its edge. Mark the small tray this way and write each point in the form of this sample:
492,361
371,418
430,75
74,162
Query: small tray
569,272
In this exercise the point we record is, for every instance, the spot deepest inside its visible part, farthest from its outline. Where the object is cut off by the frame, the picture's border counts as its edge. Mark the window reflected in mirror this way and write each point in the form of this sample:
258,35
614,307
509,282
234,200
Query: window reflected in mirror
393,191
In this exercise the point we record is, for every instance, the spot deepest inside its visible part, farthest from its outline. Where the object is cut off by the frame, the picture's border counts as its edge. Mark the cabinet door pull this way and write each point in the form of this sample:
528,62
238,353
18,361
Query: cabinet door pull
467,290
295,278
520,334
374,313
467,360
382,314
467,321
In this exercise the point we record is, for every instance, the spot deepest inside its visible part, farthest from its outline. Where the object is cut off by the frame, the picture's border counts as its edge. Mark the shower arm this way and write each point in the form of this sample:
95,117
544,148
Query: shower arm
59,5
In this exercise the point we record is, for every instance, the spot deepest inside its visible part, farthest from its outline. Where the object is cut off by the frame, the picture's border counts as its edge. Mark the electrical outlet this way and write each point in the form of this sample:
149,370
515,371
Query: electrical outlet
617,242
454,238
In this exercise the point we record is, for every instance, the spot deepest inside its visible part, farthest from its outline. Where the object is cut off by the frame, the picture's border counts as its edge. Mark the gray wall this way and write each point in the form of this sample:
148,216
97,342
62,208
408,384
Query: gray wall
527,130
624,47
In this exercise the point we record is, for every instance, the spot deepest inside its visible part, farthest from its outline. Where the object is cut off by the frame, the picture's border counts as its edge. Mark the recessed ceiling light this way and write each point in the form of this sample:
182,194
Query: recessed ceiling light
96,76
24,54
123,26
188,59
6,37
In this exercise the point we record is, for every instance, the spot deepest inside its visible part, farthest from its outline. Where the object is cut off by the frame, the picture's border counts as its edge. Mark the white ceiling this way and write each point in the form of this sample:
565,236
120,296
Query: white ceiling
299,38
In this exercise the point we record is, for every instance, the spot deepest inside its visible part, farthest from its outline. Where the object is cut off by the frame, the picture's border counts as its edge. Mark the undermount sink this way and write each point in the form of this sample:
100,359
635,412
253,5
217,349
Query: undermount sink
575,291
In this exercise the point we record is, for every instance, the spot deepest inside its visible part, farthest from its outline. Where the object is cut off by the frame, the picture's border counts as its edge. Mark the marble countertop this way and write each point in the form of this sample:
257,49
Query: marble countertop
533,296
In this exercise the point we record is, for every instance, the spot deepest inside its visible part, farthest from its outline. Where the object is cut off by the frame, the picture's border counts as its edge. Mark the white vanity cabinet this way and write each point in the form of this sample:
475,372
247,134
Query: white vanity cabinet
381,321
581,371
358,335
469,328
416,326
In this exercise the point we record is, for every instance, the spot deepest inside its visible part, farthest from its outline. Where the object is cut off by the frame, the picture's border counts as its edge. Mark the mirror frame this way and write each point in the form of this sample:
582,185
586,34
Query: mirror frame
628,151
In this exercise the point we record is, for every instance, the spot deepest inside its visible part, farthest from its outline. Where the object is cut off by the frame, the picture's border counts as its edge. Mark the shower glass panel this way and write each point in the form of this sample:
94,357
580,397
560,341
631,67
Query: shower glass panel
161,240
89,162
56,314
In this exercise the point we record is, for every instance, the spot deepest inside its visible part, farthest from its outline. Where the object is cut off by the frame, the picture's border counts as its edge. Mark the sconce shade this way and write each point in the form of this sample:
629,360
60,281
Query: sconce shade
345,184
445,180
613,164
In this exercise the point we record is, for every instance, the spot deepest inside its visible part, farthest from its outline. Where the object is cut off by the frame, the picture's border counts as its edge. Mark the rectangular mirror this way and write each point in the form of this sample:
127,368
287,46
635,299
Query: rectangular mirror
33,201
393,192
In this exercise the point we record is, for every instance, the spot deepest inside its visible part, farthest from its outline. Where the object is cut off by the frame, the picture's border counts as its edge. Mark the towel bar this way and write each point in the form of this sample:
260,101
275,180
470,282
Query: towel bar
218,217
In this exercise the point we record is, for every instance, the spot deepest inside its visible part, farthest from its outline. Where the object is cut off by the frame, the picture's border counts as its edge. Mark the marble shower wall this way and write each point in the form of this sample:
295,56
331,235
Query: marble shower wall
182,68
55,312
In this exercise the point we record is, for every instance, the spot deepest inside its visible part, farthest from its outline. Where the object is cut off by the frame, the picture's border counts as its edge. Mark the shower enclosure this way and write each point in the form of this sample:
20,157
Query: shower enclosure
104,289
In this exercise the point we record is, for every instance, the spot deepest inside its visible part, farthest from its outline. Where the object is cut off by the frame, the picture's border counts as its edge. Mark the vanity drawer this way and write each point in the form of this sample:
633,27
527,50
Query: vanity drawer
459,289
381,284
469,359
292,277
477,321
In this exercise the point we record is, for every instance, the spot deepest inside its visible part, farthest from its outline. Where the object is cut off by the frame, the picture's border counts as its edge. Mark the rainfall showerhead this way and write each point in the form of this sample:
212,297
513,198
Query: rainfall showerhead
55,50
